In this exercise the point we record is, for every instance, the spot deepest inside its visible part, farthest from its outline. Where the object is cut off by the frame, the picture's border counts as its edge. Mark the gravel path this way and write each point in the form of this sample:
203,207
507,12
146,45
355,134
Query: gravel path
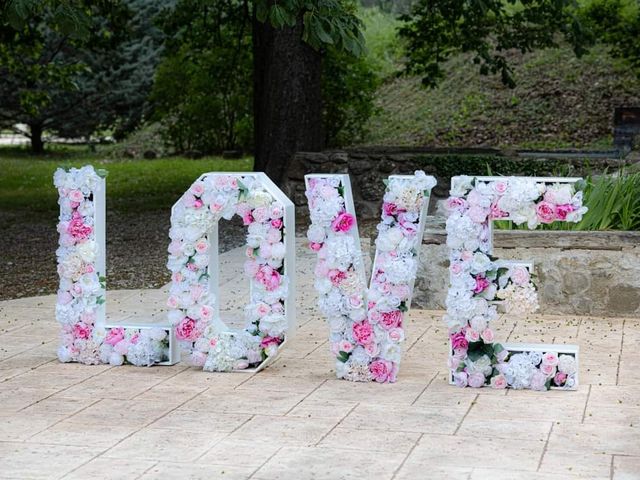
136,251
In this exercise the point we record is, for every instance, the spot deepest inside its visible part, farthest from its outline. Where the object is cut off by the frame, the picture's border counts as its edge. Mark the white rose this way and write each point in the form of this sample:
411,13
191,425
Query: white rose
88,251
389,240
567,364
316,234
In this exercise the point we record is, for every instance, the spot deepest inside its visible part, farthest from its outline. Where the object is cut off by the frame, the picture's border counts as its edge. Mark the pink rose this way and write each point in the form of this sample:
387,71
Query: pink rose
114,335
196,291
202,246
363,332
458,341
197,189
391,319
381,370
499,382
389,209
277,211
456,204
373,349
76,196
476,379
343,222
546,212
481,284
550,358
472,335
276,223
206,312
198,203
186,329
461,379
315,246
500,187
520,276
345,346
453,362
262,309
487,335
247,219
268,277
563,210
548,370
560,379
455,268
466,255
177,277
77,229
122,347
81,330
396,335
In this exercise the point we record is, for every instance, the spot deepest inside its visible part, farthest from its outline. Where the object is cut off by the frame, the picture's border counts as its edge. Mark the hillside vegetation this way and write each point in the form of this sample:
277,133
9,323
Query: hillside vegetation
560,101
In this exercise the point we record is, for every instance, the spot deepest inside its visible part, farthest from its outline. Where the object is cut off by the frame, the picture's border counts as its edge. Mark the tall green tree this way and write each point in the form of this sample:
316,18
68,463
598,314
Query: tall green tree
72,67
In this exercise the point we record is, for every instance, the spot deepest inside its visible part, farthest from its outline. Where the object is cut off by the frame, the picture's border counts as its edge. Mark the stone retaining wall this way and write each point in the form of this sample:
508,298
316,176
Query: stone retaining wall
369,166
592,273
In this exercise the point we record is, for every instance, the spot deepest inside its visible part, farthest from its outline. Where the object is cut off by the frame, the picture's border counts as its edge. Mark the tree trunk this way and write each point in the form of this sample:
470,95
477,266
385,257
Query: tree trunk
37,146
287,104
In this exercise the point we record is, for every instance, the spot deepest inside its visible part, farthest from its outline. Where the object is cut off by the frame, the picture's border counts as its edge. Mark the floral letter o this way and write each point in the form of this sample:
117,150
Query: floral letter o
270,266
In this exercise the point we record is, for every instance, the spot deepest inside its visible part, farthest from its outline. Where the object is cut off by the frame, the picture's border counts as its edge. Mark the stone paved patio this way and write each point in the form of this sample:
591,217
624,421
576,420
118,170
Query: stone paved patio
296,421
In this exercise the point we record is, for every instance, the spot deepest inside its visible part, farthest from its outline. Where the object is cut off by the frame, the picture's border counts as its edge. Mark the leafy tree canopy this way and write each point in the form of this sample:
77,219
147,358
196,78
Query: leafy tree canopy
435,30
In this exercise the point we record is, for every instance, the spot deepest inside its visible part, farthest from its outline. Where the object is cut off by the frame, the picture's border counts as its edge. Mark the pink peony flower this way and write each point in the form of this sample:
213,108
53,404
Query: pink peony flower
390,209
343,222
546,212
389,320
80,330
336,276
363,332
381,370
77,229
186,329
499,382
458,341
481,284
563,210
114,336
476,379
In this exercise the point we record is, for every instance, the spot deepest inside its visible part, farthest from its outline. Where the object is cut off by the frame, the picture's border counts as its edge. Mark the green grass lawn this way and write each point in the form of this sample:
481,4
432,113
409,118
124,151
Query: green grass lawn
26,182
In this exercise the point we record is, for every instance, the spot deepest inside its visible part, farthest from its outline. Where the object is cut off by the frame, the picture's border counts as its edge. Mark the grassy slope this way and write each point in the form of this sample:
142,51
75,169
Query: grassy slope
26,183
560,101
